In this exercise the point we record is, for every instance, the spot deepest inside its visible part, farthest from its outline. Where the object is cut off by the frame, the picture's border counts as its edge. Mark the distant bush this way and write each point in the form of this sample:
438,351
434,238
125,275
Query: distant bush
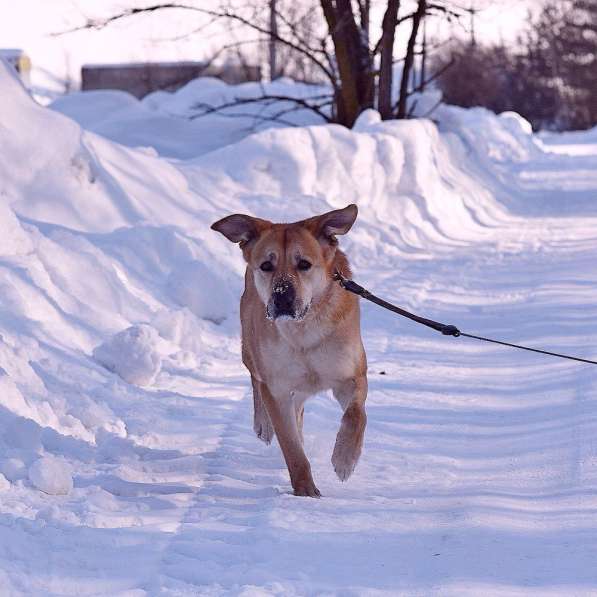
551,79
476,77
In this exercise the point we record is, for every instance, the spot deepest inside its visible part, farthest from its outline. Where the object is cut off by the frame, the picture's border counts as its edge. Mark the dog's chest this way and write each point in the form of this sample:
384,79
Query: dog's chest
298,369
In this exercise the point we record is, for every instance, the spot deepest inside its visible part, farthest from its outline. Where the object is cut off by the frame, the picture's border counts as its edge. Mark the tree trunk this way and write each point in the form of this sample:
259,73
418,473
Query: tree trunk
384,101
409,58
423,77
365,11
273,34
353,58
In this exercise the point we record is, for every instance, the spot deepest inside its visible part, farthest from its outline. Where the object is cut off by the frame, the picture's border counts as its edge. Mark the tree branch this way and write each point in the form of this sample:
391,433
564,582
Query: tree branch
216,14
268,100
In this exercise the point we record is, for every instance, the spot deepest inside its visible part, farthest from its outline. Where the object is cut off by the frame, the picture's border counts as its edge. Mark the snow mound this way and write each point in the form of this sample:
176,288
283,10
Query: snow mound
89,108
516,123
366,119
180,124
132,355
51,475
501,139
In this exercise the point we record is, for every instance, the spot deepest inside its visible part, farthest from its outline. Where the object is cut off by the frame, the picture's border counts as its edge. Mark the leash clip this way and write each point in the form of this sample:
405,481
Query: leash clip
350,285
450,330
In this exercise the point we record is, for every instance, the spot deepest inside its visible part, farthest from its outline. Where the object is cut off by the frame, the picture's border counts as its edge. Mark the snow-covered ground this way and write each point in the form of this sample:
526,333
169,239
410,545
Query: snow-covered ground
127,457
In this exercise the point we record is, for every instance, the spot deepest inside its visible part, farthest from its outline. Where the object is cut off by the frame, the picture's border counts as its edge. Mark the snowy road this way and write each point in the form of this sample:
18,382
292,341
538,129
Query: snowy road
479,471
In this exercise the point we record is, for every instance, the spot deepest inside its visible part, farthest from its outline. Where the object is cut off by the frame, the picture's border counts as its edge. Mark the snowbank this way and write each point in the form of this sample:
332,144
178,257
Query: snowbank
503,139
181,124
90,108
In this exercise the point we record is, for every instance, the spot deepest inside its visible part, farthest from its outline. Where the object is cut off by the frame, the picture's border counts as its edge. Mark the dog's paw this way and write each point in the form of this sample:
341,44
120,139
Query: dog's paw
344,461
349,441
264,430
307,489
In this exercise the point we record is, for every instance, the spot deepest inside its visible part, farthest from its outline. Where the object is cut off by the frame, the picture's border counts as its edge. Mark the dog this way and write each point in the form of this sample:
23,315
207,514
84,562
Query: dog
301,334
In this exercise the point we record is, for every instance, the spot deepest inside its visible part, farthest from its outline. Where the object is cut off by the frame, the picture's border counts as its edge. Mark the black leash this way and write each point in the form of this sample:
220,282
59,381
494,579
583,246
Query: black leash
445,329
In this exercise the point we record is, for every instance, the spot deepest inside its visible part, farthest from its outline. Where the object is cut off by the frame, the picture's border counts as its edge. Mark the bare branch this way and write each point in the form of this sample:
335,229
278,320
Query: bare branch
216,14
127,12
268,100
293,29
434,76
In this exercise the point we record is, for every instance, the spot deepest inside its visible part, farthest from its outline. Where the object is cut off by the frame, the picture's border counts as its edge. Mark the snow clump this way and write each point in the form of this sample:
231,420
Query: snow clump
51,475
132,355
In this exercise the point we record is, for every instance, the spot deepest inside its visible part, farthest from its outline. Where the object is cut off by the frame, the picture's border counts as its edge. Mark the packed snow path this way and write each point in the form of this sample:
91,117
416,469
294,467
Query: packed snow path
479,471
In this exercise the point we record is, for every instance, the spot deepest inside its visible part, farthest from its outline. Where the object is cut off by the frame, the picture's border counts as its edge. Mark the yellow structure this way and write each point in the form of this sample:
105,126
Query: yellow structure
19,60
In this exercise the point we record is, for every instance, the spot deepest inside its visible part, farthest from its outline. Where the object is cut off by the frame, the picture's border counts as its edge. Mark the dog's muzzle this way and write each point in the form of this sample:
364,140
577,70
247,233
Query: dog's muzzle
283,303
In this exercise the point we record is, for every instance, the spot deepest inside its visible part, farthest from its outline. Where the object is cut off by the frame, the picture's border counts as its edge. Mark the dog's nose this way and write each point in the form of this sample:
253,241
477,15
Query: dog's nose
284,296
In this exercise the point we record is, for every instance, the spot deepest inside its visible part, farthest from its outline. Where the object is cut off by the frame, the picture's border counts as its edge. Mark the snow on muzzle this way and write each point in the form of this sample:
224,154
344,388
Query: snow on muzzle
283,303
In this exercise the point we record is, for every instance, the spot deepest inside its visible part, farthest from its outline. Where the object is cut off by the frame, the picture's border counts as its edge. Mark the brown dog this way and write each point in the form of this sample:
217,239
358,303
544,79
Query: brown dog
300,333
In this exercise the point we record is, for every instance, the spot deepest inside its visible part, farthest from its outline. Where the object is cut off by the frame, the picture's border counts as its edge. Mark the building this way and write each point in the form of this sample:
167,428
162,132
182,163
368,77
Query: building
140,79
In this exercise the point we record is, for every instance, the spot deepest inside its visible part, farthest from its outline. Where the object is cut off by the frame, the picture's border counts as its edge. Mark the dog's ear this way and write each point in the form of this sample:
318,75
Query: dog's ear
328,225
240,228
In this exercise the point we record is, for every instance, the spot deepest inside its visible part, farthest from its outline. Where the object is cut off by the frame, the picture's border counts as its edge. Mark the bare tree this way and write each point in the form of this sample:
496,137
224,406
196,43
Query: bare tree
338,48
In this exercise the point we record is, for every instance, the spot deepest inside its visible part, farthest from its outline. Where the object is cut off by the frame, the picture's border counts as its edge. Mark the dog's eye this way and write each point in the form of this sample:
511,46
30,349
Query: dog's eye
303,264
267,266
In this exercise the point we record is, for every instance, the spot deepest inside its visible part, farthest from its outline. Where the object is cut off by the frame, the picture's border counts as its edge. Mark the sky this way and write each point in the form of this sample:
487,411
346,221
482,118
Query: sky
32,24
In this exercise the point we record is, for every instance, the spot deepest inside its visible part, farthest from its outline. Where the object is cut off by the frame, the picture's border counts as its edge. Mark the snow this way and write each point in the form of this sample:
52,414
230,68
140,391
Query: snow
176,124
51,475
4,483
202,290
132,354
13,469
122,390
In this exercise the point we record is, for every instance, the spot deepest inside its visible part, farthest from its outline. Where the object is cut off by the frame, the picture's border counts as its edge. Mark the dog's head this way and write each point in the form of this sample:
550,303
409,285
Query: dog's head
291,263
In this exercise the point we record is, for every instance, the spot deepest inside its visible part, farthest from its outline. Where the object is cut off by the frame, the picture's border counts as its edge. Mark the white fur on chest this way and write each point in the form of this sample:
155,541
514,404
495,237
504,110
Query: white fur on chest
305,361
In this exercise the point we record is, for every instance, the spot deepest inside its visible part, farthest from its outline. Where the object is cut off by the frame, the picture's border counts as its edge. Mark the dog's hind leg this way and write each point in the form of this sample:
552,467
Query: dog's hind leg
261,422
283,414
351,395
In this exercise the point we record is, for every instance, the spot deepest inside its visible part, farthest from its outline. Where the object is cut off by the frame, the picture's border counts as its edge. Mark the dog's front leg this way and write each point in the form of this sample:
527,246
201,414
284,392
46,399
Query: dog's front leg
282,412
261,421
351,395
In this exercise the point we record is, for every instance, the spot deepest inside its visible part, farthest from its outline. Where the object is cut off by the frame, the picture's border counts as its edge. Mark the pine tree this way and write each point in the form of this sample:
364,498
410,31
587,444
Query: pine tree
561,57
577,48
